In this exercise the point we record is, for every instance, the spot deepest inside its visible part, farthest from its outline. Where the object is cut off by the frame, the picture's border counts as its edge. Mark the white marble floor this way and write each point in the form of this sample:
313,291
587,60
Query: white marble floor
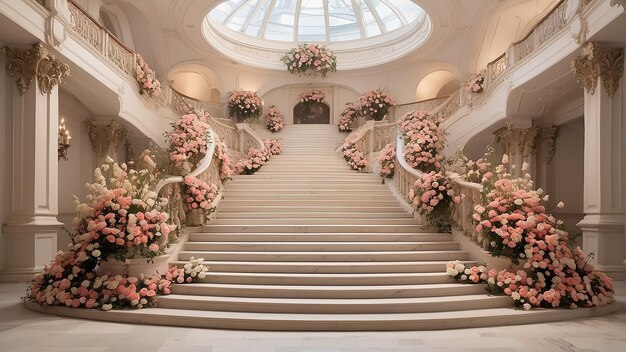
22,330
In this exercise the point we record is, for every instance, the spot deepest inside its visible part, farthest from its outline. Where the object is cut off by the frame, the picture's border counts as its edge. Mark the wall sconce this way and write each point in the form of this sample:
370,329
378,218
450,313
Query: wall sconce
64,140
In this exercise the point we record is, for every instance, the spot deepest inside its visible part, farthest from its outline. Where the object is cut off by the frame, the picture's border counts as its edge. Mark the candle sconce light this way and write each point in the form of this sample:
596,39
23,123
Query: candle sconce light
64,140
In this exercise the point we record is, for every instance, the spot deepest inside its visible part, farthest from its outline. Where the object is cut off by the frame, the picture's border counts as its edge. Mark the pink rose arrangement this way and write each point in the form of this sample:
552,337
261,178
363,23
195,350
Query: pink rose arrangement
146,78
312,96
387,159
476,83
225,163
350,111
473,275
199,195
252,162
194,269
188,140
423,141
376,103
355,159
310,59
275,119
272,146
432,195
245,104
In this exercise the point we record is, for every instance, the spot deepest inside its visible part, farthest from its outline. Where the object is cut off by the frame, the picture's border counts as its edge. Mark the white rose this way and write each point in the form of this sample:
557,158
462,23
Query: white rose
107,306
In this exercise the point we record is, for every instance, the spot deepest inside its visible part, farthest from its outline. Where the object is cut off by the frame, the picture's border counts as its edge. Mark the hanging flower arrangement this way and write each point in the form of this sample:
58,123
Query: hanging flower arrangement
376,103
245,105
310,59
146,78
350,111
312,96
275,119
476,83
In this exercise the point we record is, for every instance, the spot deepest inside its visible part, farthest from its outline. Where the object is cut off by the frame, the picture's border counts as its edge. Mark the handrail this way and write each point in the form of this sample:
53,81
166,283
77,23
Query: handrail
203,165
541,21
215,109
402,160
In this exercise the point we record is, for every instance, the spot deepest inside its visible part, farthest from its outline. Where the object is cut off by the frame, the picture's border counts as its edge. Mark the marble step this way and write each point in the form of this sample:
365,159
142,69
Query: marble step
322,213
228,202
468,318
315,221
361,256
314,228
319,237
282,209
303,177
334,306
328,292
306,196
329,267
251,180
319,246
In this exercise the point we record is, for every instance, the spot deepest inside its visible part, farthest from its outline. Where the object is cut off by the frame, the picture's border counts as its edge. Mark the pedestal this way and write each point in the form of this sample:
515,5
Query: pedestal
135,267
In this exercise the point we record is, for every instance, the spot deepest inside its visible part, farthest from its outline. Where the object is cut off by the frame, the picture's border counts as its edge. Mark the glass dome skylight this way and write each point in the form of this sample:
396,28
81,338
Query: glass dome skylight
316,20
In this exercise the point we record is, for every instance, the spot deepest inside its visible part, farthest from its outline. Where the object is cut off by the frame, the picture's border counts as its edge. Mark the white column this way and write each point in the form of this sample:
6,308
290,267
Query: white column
600,71
30,231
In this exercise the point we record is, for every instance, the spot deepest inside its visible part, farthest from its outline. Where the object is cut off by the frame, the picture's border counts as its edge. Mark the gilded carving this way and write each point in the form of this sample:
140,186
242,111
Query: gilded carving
517,141
24,64
106,139
596,61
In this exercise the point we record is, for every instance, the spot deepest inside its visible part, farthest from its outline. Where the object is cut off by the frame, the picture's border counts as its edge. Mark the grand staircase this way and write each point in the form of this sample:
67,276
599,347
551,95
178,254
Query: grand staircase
308,244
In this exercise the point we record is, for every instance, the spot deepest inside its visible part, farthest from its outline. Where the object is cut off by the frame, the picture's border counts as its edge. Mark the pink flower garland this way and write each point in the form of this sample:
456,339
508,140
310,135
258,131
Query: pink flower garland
476,83
225,163
199,195
387,159
275,119
431,195
355,159
188,139
312,96
146,78
350,111
424,140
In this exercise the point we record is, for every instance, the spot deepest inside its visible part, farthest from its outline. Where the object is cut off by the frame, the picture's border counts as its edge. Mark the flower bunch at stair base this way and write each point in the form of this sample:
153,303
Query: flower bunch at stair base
273,146
472,275
387,159
188,141
194,269
355,158
432,196
146,78
252,162
199,195
245,104
376,103
275,119
225,160
310,59
349,113
476,83
424,141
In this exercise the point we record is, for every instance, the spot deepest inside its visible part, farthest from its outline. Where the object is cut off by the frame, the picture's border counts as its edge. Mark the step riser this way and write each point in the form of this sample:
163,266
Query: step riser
327,281
314,228
317,247
295,209
318,221
324,257
370,292
228,202
318,214
315,308
330,237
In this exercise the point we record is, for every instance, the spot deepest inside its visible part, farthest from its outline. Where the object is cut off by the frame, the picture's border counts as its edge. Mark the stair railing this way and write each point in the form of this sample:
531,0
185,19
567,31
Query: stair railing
470,193
404,176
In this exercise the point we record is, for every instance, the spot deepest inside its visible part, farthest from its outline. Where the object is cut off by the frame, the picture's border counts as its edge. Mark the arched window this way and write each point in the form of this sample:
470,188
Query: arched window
311,112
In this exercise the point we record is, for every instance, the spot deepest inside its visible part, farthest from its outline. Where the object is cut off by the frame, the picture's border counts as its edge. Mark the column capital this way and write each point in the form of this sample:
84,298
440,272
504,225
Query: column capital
24,64
106,136
518,141
599,62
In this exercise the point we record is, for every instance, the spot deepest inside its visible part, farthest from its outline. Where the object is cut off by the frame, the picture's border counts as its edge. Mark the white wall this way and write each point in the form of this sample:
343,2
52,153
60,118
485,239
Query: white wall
78,169
565,174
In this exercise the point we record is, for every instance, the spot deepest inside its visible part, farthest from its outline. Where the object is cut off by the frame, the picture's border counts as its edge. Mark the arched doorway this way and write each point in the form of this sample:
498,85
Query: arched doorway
311,112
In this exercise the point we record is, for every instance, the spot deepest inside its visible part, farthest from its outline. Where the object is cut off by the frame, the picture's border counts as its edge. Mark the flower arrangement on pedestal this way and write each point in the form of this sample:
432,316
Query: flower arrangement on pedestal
245,105
432,195
350,111
376,103
187,141
356,160
476,83
199,195
387,159
423,141
549,273
146,78
310,59
275,119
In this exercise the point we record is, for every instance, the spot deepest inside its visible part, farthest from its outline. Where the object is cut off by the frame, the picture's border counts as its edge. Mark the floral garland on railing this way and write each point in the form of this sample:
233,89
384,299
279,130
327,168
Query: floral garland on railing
476,83
275,119
312,96
355,159
350,111
432,195
225,163
245,105
146,78
256,158
187,142
199,195
549,273
424,141
310,59
387,159
273,146
376,103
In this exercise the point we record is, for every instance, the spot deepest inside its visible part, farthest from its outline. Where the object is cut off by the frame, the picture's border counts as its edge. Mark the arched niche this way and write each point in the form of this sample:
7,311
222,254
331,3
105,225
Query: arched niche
311,112
115,20
436,84
196,81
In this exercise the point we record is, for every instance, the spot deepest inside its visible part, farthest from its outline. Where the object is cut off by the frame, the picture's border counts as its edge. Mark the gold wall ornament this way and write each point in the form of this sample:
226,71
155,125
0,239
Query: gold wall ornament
106,139
596,61
24,64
